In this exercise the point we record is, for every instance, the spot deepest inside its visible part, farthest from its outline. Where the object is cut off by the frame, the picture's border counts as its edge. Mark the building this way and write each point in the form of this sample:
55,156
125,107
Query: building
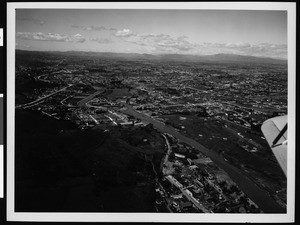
179,156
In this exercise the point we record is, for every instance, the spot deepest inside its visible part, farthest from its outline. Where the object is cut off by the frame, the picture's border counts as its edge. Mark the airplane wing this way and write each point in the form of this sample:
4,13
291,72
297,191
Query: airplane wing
275,131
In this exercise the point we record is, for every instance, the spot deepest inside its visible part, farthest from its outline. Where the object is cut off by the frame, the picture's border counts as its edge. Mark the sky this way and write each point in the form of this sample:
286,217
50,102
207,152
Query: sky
154,31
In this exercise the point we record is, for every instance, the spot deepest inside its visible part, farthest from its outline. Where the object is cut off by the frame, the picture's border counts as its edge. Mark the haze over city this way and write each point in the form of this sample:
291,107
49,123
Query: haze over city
191,32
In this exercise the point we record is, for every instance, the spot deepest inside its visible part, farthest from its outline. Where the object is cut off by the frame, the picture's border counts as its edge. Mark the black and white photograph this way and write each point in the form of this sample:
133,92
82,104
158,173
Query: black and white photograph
151,112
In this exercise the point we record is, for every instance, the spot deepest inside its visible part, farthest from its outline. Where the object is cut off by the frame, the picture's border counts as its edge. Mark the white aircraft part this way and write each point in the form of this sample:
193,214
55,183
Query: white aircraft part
271,128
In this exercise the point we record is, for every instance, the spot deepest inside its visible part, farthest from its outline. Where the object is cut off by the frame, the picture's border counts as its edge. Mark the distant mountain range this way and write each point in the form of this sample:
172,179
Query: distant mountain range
223,58
217,58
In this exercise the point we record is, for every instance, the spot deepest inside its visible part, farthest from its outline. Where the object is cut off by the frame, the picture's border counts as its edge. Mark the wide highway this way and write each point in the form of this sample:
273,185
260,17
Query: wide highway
30,104
83,102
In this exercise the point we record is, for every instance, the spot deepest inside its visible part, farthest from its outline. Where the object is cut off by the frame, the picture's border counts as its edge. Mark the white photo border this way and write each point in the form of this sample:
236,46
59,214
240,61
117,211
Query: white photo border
151,217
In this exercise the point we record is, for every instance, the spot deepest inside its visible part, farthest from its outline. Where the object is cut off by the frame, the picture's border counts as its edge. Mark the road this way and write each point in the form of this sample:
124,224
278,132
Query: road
47,74
259,196
169,149
194,201
89,98
182,189
39,78
255,109
186,193
234,123
30,104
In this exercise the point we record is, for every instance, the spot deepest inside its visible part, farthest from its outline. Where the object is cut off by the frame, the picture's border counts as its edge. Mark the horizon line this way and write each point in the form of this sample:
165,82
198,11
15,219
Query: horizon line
160,54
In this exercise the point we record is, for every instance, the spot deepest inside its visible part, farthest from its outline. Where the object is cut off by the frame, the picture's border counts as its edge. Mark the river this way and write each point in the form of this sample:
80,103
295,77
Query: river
255,193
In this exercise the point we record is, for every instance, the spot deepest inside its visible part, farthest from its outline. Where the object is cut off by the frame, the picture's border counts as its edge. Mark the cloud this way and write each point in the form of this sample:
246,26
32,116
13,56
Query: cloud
124,33
259,49
90,28
112,29
101,40
39,36
94,28
77,38
33,20
179,43
23,45
164,43
159,42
